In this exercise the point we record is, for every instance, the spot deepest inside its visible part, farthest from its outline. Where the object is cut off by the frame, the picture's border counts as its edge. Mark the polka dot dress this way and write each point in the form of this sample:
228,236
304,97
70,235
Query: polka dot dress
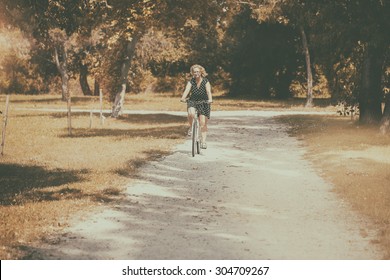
199,94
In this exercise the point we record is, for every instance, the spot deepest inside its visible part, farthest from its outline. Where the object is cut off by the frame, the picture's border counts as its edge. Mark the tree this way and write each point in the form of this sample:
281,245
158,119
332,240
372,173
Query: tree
60,49
358,31
385,122
309,100
56,27
297,15
292,14
129,52
16,74
139,16
262,56
348,31
66,29
161,60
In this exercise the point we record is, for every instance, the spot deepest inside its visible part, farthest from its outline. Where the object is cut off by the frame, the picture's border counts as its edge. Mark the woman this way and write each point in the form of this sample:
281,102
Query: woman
199,89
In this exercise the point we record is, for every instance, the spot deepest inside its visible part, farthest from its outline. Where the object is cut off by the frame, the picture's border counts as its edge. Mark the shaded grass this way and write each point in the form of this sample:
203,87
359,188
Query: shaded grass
131,167
16,179
47,177
160,118
170,132
356,159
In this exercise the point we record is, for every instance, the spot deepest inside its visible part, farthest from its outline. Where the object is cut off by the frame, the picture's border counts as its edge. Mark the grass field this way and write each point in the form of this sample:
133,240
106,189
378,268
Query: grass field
47,177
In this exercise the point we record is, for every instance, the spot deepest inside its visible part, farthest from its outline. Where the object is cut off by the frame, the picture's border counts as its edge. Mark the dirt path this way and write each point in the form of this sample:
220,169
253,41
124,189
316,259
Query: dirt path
250,195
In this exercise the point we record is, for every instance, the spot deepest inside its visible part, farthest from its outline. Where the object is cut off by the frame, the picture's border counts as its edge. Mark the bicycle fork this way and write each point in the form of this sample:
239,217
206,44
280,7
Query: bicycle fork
196,134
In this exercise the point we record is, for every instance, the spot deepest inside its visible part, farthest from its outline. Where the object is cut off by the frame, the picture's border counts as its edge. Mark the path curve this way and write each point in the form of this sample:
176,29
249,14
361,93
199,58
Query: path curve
250,195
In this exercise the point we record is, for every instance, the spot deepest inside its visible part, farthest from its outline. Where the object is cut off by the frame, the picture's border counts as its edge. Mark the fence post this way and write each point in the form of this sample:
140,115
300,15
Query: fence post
90,119
69,105
5,121
101,107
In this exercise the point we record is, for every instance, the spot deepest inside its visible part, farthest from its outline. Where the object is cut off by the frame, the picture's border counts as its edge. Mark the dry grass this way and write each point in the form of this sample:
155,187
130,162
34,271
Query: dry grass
167,102
356,160
47,177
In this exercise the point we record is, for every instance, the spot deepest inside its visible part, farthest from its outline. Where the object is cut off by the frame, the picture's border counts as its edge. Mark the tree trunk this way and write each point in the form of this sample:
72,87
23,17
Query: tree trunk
385,121
309,100
120,96
83,79
96,88
5,121
370,95
62,68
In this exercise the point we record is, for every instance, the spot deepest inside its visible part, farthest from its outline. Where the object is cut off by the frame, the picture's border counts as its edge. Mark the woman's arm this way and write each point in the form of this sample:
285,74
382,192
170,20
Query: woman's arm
208,90
186,92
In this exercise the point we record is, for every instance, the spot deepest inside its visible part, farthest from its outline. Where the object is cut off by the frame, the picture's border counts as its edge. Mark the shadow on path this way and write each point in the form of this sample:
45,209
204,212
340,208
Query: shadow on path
250,195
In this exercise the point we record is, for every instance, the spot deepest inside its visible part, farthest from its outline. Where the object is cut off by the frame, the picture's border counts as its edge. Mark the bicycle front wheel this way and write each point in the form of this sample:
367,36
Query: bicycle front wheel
198,135
194,137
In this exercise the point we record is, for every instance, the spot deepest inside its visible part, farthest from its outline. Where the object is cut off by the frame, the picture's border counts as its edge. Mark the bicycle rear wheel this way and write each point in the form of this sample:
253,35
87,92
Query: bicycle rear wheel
198,147
198,139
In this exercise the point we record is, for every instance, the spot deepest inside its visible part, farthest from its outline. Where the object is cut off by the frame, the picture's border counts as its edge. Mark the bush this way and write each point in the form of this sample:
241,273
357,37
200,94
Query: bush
20,76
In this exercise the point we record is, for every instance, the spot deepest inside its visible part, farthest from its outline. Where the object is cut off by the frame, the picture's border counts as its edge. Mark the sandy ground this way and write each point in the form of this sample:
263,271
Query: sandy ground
250,195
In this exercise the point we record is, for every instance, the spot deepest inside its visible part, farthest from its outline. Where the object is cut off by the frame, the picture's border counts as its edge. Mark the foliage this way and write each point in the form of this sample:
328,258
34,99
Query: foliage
252,47
262,56
344,31
321,87
17,73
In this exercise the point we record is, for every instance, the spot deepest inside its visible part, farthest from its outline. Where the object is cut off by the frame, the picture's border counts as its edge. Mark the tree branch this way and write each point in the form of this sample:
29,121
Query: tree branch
247,3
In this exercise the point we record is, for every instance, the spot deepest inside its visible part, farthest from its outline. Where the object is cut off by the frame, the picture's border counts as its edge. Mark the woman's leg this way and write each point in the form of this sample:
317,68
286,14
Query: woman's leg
191,116
203,127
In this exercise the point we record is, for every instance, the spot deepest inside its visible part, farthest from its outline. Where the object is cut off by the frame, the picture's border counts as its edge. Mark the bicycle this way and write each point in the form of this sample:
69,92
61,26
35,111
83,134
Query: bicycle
195,129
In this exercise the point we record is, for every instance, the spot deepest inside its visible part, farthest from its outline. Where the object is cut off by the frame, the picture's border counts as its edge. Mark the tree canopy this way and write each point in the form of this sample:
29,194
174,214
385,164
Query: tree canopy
248,47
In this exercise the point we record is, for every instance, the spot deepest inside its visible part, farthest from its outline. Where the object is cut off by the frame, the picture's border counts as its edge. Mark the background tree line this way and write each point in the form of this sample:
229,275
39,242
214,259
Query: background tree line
258,48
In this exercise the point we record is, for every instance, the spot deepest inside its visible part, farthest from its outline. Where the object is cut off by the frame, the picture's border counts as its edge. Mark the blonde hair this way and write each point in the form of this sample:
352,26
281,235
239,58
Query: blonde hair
203,72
